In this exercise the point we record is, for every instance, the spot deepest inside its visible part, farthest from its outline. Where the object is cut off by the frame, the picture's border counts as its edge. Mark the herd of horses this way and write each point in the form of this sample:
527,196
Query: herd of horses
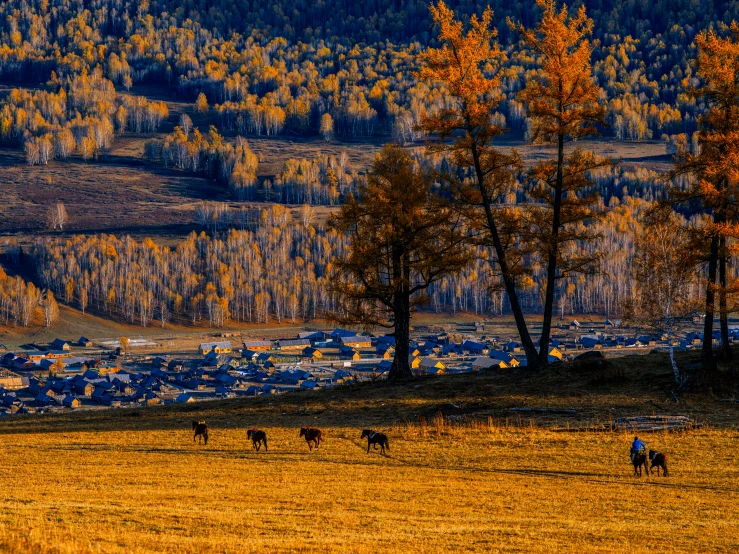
312,436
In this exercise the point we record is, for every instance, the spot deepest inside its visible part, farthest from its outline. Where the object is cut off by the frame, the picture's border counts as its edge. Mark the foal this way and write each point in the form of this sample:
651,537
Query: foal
375,438
257,438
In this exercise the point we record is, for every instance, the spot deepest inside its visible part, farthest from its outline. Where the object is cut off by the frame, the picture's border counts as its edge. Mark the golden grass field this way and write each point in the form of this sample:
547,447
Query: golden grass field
133,481
481,489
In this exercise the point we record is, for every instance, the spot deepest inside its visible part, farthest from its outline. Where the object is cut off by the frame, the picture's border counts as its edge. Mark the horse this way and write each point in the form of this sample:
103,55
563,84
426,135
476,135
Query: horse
374,438
200,429
639,459
312,436
658,460
257,438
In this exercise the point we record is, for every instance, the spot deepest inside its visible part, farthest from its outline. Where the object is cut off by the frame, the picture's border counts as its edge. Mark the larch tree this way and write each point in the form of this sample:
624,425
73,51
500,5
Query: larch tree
714,169
465,130
403,238
564,105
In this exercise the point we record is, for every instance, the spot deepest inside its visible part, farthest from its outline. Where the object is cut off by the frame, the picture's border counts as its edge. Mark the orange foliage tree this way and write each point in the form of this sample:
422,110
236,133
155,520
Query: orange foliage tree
714,169
467,64
564,105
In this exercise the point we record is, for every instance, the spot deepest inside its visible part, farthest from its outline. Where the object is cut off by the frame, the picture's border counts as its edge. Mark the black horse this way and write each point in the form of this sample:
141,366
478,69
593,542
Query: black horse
257,438
374,438
639,459
200,429
312,436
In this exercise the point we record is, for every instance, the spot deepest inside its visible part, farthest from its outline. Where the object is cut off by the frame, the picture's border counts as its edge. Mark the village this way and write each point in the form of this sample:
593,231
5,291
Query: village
87,374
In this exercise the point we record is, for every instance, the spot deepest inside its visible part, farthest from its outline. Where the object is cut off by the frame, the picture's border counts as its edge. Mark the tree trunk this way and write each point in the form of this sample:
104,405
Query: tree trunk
707,359
401,368
673,363
726,353
510,285
546,326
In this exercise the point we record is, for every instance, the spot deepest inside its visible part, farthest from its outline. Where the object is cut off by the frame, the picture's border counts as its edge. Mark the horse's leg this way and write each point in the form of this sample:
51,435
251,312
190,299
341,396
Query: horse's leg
368,445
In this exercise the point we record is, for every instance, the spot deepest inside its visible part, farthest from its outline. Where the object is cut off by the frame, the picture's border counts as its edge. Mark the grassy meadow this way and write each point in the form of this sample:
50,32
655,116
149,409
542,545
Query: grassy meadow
462,475
481,488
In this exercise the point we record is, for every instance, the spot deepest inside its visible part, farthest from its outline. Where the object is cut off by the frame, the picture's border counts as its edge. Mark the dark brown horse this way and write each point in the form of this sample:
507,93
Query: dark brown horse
374,438
312,436
658,460
639,459
257,438
200,429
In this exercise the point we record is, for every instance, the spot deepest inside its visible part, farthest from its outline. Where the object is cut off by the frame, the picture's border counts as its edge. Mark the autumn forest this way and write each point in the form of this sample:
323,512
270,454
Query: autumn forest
504,129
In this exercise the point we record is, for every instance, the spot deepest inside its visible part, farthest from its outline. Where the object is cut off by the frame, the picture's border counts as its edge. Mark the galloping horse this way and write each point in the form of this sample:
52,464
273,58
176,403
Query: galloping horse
312,436
375,438
639,459
257,438
201,430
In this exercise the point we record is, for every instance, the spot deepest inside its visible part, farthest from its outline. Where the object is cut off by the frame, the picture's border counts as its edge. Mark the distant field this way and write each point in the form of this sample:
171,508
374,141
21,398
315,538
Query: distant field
132,481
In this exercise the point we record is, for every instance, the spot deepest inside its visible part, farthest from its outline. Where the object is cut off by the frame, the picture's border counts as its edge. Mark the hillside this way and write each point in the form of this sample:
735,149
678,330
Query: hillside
477,479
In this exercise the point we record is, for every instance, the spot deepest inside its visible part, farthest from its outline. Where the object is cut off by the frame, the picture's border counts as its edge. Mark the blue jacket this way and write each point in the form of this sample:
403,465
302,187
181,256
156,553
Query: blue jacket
638,445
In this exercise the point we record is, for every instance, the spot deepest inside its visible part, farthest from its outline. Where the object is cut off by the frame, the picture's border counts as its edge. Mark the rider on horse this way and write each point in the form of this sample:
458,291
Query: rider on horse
637,447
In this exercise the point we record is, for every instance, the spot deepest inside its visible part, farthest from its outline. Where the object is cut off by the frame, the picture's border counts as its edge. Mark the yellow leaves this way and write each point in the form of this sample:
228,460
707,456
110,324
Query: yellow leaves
201,104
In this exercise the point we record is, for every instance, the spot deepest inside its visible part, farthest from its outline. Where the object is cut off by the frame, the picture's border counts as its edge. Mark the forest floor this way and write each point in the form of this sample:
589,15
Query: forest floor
463,473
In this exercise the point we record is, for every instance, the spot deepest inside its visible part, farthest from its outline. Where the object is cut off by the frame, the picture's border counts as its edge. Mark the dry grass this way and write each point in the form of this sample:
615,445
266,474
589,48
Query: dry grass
442,488
477,480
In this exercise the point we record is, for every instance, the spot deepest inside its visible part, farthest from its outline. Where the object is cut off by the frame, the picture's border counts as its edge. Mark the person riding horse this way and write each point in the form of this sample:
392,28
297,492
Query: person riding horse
639,456
637,447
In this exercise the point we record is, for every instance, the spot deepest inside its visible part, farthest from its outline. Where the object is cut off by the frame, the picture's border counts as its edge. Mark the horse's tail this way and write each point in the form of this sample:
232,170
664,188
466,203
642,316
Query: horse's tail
265,442
205,435
665,466
387,443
